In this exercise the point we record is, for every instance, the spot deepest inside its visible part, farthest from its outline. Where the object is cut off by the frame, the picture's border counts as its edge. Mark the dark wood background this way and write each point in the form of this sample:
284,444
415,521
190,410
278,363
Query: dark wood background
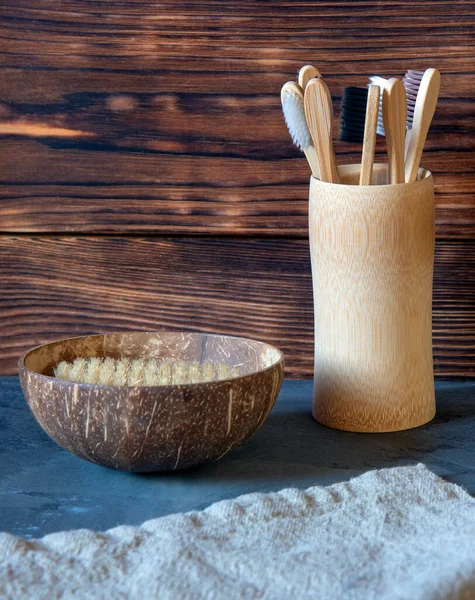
148,181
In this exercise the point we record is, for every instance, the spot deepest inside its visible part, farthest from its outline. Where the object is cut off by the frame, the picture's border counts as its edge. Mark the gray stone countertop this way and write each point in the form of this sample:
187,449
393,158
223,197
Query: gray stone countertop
44,489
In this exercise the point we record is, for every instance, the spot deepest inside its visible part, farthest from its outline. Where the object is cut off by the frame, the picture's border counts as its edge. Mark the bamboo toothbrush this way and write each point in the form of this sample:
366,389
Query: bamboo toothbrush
370,130
294,114
420,118
319,113
359,121
381,82
306,73
412,80
395,118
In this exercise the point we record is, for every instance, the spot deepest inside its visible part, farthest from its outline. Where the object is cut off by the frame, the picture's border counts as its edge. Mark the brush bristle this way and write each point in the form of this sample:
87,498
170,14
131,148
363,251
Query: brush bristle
353,113
149,372
294,116
412,81
376,80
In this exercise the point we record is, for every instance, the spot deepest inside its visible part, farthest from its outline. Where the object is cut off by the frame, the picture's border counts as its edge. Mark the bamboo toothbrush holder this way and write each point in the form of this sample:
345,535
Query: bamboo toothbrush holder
372,251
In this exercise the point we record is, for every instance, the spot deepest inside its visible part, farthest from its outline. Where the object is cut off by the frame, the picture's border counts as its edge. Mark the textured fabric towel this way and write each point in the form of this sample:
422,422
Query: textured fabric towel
393,533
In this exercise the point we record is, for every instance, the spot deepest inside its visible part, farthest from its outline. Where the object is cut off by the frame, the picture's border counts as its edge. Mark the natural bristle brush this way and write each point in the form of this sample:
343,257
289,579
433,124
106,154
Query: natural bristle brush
422,88
148,372
359,121
319,113
294,114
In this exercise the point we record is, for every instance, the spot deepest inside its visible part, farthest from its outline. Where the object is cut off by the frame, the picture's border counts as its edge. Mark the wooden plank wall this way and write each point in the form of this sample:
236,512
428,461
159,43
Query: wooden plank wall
148,181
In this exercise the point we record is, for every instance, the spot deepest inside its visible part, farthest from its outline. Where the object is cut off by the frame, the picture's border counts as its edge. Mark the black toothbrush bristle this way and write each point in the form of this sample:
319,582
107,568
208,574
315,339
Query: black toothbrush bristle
353,113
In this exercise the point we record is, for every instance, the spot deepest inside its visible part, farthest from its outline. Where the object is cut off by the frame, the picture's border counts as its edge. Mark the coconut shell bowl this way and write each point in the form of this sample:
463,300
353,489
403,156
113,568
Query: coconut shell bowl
153,428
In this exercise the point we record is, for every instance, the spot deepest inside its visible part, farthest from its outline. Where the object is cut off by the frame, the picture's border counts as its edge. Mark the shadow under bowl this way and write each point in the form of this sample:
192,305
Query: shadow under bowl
156,428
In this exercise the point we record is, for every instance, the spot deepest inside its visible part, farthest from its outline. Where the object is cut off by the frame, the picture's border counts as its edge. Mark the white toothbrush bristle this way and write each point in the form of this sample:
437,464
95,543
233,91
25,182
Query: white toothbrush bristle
376,80
294,115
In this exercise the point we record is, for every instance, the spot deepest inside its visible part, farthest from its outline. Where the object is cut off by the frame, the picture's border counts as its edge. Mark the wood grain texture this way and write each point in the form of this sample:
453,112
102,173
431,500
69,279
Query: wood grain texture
372,252
110,118
163,119
55,287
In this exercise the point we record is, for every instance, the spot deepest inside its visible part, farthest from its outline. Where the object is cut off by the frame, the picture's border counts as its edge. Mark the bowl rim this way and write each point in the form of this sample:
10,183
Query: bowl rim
49,378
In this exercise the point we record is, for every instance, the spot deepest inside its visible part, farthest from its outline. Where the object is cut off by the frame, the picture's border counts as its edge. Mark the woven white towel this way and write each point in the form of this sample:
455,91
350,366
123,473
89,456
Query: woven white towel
393,533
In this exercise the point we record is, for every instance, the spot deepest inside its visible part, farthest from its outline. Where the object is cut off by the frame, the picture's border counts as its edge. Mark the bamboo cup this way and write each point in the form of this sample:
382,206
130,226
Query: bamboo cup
372,250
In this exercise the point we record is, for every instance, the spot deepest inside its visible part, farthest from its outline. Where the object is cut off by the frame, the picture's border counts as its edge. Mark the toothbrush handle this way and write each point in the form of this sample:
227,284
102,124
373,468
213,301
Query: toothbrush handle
426,101
307,73
319,114
369,142
395,118
312,160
